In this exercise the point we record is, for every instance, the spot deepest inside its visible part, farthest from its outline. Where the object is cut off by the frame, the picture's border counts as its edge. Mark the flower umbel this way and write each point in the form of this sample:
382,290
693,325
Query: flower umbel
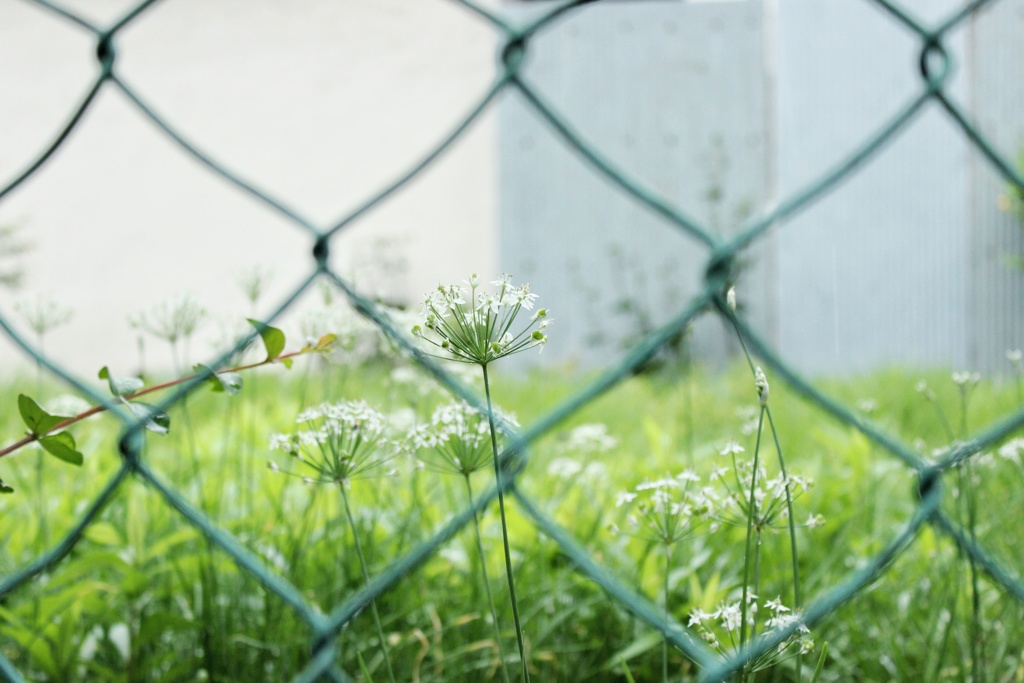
43,314
479,328
343,441
457,439
720,630
668,510
172,320
770,509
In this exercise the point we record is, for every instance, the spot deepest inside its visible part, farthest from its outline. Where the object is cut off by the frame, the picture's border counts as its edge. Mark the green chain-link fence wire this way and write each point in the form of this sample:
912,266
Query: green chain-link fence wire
935,68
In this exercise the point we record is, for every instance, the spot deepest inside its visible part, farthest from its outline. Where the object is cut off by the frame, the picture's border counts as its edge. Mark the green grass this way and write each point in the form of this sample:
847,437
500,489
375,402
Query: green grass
145,597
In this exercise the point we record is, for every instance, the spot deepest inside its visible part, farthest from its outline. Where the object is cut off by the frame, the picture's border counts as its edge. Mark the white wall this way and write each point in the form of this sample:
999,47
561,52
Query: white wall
320,104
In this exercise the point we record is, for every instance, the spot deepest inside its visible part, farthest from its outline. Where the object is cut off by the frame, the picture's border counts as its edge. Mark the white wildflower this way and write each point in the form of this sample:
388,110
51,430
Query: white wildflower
623,498
729,616
564,468
732,447
591,438
1012,450
698,617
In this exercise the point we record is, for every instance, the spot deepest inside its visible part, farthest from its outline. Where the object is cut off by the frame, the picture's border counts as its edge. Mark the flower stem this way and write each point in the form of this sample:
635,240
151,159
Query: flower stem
968,506
664,639
504,527
487,585
750,531
969,502
756,582
366,580
789,496
792,526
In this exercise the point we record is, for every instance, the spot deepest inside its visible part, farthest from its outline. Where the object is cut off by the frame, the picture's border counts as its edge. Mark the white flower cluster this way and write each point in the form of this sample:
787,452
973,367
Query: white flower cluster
1012,450
347,415
357,338
726,620
43,314
478,328
172,320
591,438
668,510
965,378
343,441
457,438
749,420
769,494
728,616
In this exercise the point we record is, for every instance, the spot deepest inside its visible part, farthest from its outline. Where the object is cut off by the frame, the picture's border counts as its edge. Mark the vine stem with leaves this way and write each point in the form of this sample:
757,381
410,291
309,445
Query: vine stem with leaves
322,346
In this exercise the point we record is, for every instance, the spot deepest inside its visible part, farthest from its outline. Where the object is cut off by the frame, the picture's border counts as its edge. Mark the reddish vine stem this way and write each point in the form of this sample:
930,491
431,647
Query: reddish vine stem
142,392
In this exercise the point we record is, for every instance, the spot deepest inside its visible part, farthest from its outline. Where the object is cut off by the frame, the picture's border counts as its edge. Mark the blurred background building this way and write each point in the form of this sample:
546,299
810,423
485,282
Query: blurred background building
725,109
721,108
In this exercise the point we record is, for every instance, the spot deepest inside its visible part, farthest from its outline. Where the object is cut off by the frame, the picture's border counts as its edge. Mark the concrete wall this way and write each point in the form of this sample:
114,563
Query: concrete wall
876,272
674,94
720,108
995,68
903,263
321,104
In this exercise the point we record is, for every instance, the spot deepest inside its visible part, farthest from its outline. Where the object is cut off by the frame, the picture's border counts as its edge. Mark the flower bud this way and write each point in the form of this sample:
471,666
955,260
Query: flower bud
730,299
761,382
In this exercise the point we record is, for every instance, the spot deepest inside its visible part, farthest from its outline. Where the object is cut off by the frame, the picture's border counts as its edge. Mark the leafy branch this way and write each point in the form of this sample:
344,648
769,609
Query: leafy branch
47,429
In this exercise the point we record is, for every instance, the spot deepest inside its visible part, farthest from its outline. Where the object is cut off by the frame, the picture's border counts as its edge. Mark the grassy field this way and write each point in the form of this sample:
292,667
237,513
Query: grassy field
145,597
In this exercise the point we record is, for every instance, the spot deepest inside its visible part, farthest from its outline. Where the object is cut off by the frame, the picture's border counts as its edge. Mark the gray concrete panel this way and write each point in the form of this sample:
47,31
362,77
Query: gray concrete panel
671,93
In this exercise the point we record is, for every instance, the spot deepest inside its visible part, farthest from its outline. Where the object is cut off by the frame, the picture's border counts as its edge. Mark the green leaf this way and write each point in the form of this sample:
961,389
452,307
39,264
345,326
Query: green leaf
161,549
4,488
646,642
230,382
821,663
326,341
273,338
104,533
157,421
36,419
362,667
157,624
121,386
62,446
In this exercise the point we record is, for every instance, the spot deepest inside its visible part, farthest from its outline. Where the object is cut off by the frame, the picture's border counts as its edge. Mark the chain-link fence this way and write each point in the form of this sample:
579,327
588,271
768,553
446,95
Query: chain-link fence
935,67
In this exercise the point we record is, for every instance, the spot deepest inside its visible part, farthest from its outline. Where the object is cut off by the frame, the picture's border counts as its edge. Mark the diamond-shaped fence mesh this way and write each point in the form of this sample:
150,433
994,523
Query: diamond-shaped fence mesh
322,663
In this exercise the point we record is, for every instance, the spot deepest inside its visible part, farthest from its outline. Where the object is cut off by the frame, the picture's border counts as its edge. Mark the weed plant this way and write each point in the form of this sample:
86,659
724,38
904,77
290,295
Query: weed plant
145,597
